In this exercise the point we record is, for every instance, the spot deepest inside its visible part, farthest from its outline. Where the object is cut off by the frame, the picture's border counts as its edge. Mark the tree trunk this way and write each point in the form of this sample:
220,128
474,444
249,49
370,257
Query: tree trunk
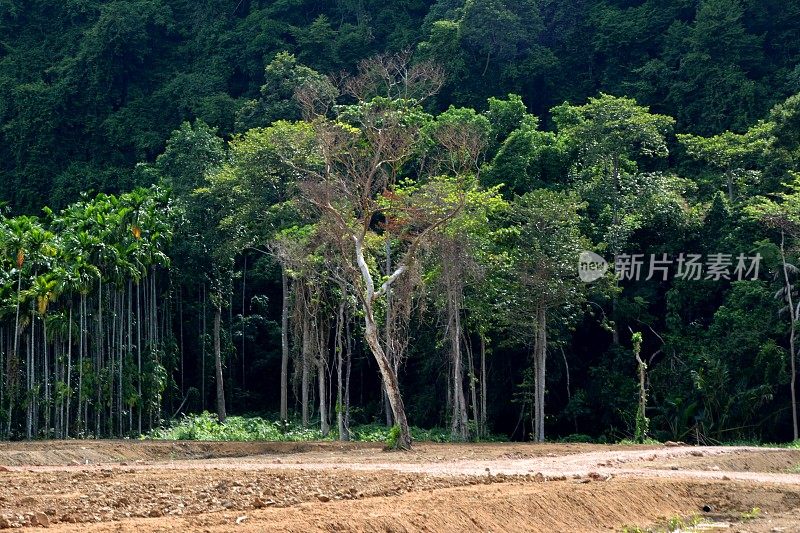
244,296
642,368
472,388
29,382
348,344
3,365
69,373
388,372
203,359
180,326
459,429
792,327
569,390
218,366
46,381
139,355
100,351
129,351
305,364
540,356
615,251
389,379
15,358
285,346
82,335
344,434
483,429
324,426
387,327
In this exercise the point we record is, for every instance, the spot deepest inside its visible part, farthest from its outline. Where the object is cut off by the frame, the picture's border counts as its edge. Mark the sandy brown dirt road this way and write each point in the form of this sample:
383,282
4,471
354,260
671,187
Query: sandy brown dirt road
147,486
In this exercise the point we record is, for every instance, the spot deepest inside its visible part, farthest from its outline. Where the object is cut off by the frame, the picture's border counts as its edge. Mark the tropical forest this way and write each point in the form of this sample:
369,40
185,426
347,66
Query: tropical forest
451,220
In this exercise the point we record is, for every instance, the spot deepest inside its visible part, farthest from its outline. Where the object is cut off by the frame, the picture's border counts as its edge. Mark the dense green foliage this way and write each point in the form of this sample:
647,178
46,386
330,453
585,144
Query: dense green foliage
206,427
210,165
89,88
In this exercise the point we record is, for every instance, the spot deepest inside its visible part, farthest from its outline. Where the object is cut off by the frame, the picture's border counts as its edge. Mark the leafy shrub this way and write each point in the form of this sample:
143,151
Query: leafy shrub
205,426
577,437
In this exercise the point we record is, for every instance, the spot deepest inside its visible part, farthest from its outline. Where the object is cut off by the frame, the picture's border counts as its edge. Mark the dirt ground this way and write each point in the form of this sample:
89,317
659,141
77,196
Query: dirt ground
194,486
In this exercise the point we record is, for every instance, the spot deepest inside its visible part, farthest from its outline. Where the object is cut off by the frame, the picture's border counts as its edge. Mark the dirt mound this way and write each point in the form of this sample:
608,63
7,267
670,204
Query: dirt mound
52,453
740,461
512,506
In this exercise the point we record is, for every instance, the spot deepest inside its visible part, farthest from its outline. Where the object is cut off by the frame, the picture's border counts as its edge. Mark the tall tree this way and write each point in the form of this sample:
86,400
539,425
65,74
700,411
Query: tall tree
547,243
783,214
362,154
734,155
612,137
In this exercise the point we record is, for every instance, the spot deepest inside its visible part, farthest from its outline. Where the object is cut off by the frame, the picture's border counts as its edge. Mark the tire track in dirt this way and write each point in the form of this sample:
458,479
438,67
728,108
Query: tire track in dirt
607,462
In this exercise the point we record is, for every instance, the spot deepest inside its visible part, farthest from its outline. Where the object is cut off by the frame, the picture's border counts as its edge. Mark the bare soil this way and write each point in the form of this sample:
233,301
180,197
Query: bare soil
196,486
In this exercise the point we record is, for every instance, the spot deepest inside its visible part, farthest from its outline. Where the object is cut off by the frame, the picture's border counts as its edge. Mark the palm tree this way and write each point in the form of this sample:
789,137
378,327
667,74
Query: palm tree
15,245
43,292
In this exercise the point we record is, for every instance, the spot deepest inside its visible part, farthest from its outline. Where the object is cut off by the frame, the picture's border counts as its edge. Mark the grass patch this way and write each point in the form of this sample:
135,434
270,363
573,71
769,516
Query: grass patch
752,514
675,523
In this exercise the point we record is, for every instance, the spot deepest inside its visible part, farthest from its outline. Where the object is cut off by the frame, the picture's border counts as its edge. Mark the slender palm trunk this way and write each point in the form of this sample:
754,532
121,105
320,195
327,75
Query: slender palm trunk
99,366
15,356
69,373
46,377
121,351
3,363
112,359
139,356
29,373
82,334
129,350
203,360
154,340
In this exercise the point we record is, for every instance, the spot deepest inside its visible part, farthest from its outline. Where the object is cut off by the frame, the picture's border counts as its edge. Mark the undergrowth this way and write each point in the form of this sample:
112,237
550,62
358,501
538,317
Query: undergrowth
205,427
634,442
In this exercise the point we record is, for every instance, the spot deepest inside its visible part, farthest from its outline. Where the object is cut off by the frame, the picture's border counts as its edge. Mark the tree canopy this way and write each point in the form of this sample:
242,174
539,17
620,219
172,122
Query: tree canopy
541,219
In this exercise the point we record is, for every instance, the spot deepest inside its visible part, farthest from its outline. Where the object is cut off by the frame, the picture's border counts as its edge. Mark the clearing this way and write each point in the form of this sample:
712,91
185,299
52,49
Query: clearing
200,486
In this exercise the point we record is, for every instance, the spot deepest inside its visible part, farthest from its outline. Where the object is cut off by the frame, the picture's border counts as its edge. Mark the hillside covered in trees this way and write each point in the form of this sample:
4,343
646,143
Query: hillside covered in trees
340,213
